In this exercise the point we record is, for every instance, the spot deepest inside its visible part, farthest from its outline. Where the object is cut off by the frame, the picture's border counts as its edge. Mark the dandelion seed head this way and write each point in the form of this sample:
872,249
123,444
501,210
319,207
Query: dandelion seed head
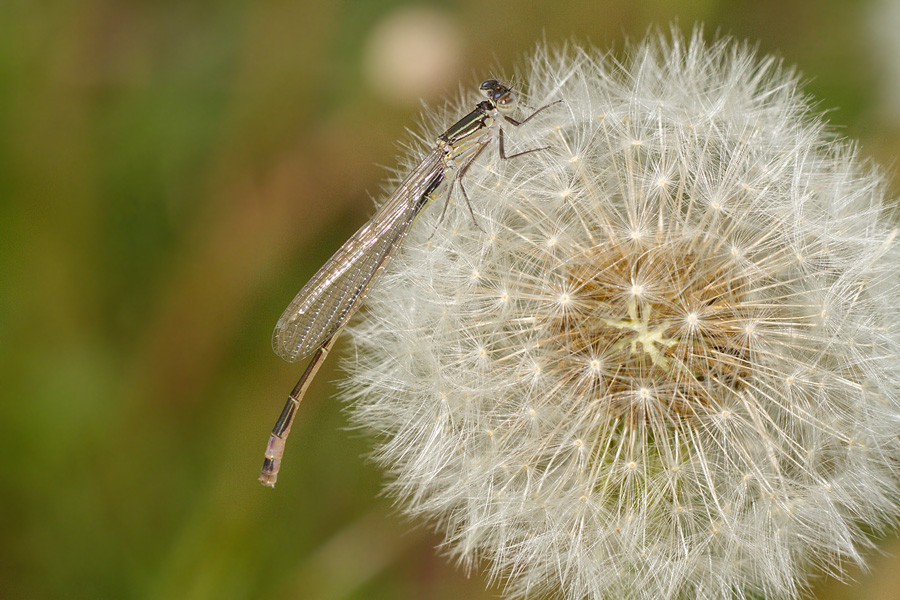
671,369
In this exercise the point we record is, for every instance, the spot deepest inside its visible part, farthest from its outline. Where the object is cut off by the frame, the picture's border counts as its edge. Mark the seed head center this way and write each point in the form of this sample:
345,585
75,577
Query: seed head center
649,339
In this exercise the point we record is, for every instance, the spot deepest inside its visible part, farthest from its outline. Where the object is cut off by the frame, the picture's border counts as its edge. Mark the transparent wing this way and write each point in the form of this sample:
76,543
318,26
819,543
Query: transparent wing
330,298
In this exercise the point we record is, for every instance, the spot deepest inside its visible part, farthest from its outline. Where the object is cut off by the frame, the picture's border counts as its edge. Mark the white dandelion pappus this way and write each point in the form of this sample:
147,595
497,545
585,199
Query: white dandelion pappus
668,367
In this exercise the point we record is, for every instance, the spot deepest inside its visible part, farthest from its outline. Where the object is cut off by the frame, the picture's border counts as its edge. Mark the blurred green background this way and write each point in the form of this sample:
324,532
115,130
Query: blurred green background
170,175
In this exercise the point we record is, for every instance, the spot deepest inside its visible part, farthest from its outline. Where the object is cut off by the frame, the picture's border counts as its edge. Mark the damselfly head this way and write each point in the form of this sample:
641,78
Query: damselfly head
499,94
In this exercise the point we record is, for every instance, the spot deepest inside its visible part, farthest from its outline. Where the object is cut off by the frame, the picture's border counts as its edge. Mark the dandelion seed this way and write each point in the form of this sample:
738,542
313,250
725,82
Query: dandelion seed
667,410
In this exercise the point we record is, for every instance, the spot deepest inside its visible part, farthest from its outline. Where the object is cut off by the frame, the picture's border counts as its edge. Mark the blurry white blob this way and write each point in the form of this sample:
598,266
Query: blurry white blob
884,44
412,53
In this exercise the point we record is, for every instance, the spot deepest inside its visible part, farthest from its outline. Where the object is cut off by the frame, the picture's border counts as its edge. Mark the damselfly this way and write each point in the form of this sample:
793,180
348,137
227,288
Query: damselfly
315,318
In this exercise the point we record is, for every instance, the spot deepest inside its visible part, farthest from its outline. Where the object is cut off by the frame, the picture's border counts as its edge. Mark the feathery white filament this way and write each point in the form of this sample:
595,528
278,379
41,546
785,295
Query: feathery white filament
669,367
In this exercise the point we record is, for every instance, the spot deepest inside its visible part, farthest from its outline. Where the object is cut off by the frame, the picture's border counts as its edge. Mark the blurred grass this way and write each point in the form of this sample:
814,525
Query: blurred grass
171,174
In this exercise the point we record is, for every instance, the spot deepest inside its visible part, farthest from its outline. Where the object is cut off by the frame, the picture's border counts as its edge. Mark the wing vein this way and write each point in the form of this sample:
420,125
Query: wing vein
328,299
